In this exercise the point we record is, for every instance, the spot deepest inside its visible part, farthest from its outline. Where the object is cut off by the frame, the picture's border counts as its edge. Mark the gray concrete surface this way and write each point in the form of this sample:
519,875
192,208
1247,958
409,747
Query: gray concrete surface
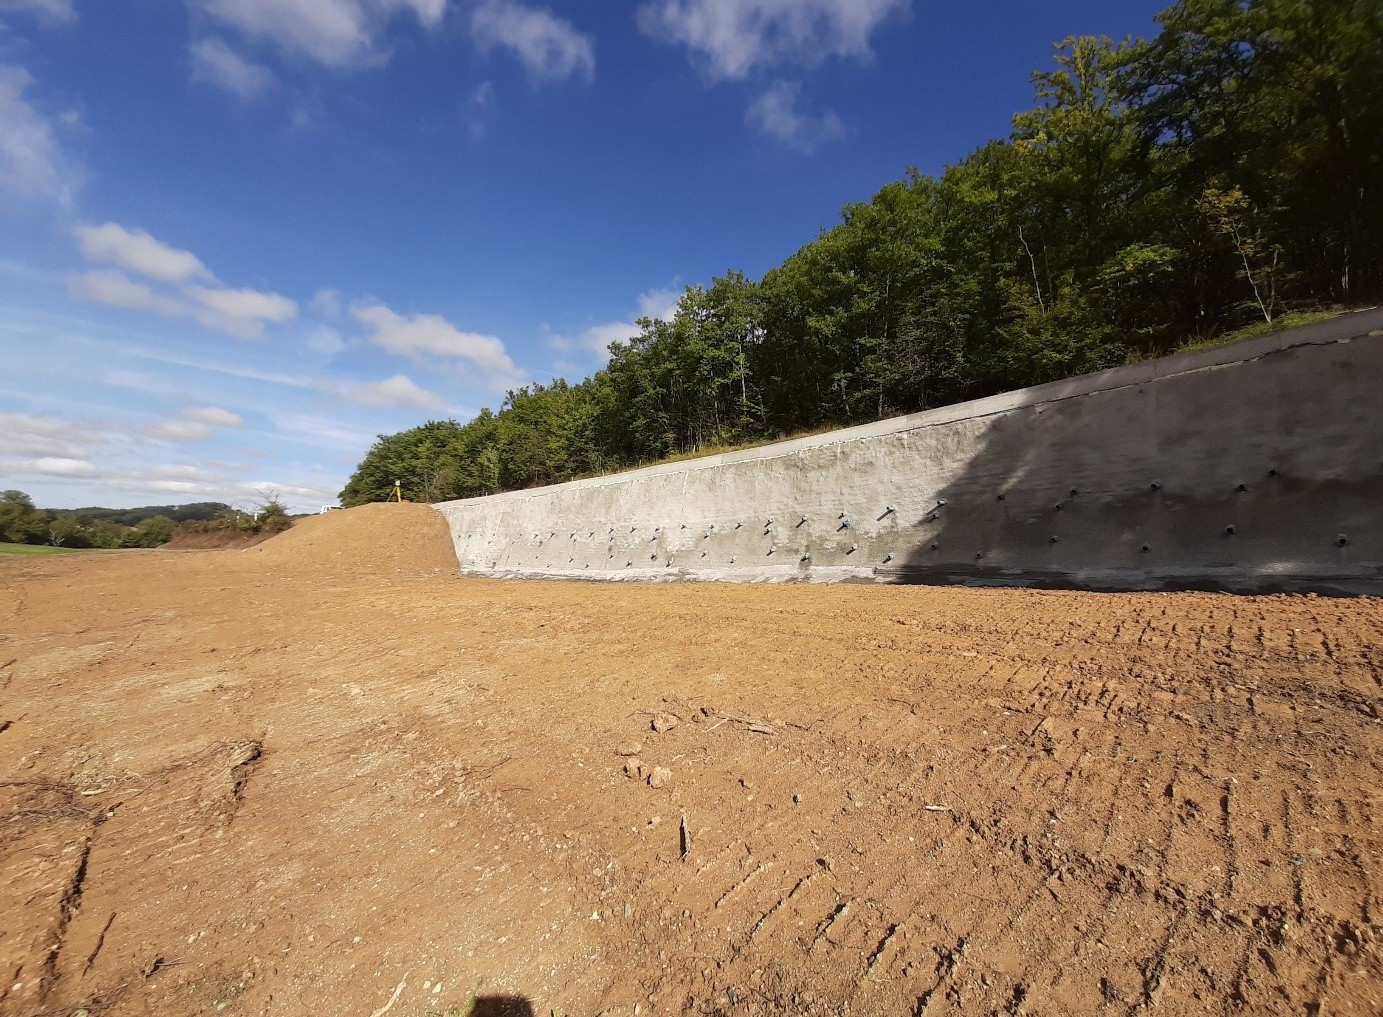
1254,467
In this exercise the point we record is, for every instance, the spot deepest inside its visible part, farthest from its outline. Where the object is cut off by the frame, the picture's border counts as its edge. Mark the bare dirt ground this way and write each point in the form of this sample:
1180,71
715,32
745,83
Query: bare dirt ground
324,776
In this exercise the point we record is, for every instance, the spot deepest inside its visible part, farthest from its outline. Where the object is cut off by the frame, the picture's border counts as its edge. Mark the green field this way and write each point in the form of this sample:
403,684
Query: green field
32,549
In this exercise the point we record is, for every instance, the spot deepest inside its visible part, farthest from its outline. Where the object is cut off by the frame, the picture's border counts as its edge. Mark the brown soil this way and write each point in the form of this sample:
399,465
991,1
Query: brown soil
324,775
213,540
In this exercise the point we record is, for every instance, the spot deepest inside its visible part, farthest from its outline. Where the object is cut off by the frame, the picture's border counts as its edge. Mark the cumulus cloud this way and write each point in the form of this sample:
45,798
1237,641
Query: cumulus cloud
217,64
138,252
32,166
549,47
243,312
731,38
660,304
53,10
336,33
432,335
776,114
399,390
192,291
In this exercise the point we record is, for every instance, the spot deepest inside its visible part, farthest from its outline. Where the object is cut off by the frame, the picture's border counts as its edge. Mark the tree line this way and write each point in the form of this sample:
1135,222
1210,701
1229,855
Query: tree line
21,522
1223,173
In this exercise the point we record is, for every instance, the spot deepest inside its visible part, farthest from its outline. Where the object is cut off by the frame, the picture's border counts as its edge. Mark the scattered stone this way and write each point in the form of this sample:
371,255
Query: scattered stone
796,799
660,776
634,769
664,722
632,749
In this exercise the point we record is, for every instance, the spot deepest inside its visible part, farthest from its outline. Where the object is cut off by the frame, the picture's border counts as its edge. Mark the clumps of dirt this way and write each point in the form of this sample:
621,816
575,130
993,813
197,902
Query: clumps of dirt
654,776
390,538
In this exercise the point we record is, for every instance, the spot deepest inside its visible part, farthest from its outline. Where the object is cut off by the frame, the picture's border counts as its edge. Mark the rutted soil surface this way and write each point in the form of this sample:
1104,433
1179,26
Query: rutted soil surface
324,776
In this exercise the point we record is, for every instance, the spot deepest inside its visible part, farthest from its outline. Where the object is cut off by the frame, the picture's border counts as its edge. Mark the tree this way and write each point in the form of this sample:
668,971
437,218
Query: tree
20,521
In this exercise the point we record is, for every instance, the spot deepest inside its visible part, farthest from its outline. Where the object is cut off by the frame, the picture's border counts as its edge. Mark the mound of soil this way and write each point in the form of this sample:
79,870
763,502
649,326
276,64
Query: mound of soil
214,541
390,537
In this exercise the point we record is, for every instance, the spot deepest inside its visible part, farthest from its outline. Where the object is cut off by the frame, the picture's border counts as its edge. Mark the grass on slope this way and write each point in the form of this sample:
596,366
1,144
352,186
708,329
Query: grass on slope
1292,319
34,549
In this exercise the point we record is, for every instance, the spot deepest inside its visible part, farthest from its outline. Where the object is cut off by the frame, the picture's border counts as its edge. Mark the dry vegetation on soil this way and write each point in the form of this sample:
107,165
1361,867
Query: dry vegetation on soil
290,779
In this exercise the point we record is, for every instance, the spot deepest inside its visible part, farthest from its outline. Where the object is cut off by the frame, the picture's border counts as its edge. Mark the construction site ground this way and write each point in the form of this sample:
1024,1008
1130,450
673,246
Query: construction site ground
327,776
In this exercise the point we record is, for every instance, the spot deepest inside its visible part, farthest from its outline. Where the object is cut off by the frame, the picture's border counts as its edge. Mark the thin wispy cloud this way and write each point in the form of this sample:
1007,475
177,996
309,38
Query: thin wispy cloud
333,33
54,11
778,115
729,39
217,64
549,47
32,163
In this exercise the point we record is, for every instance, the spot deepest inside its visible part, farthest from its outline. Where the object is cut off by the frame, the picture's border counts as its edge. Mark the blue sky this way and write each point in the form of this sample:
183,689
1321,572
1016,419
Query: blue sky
240,238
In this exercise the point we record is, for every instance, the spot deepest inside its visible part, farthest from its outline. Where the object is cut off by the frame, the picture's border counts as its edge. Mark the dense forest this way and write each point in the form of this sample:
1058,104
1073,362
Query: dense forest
1158,192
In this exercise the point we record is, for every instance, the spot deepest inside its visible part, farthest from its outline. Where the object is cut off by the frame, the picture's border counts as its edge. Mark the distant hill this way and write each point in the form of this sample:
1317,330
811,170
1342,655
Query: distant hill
202,511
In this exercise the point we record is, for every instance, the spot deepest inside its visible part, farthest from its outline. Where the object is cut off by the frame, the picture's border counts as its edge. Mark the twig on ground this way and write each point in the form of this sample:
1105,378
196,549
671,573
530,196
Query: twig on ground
398,991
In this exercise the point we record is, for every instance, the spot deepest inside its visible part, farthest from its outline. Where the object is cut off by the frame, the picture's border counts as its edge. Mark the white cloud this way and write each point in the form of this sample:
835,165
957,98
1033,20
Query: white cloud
396,391
178,430
213,416
27,434
217,64
237,312
597,339
336,33
138,252
660,304
110,286
31,164
242,312
733,37
55,10
433,335
53,466
776,115
549,47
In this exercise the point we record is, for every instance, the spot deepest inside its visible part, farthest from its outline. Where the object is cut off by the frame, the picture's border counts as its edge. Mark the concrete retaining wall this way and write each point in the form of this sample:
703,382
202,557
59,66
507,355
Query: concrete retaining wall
1254,467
